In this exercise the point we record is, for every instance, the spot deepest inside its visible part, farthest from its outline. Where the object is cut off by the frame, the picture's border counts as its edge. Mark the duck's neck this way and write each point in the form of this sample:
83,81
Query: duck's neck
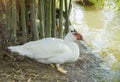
68,38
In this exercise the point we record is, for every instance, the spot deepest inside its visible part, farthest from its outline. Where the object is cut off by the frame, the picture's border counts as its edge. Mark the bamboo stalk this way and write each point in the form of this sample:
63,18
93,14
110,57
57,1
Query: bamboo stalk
8,14
33,19
6,37
0,13
14,21
61,20
28,21
41,18
23,20
67,19
53,18
48,18
69,9
1,39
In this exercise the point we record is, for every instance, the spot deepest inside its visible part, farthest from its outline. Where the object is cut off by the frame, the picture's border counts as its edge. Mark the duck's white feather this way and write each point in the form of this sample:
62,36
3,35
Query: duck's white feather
49,50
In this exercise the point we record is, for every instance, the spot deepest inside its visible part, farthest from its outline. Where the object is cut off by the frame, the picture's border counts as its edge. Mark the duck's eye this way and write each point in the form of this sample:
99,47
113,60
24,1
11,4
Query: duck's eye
73,30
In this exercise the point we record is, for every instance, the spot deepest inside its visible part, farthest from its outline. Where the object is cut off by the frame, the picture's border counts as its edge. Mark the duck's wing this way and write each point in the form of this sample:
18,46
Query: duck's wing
46,48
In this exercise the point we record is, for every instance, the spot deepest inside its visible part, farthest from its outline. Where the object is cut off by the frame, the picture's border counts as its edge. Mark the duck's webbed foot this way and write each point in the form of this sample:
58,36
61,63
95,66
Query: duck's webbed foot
60,69
57,66
52,65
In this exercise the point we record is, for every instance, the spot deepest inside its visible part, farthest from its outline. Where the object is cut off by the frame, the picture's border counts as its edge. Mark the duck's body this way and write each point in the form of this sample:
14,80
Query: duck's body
50,50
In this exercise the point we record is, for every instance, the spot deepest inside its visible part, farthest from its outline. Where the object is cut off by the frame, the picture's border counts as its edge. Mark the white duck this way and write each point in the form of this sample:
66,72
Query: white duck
51,50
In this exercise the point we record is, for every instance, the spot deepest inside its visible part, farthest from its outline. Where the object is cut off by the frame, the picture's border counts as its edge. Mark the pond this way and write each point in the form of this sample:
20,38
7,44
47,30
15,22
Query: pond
101,31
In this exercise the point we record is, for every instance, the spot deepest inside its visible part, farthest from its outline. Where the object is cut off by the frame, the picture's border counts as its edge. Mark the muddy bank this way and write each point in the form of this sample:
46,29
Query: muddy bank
86,69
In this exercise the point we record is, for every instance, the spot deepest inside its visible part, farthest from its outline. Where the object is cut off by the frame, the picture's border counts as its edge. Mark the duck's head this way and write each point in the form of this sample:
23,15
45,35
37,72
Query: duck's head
73,36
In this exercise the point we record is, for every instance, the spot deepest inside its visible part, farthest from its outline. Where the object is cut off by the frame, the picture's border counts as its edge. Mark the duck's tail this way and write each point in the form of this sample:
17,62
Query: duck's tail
18,49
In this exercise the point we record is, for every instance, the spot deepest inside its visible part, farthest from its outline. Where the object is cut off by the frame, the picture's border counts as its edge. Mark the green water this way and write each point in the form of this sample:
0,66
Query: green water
101,31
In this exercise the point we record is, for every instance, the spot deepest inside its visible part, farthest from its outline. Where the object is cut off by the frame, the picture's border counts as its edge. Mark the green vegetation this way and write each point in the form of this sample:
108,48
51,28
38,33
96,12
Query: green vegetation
31,20
101,3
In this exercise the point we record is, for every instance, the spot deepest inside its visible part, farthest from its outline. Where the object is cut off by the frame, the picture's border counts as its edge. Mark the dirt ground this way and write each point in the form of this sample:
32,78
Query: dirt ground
15,68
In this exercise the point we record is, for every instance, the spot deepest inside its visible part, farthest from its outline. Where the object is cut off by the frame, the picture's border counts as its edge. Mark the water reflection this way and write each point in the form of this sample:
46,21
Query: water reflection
101,30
